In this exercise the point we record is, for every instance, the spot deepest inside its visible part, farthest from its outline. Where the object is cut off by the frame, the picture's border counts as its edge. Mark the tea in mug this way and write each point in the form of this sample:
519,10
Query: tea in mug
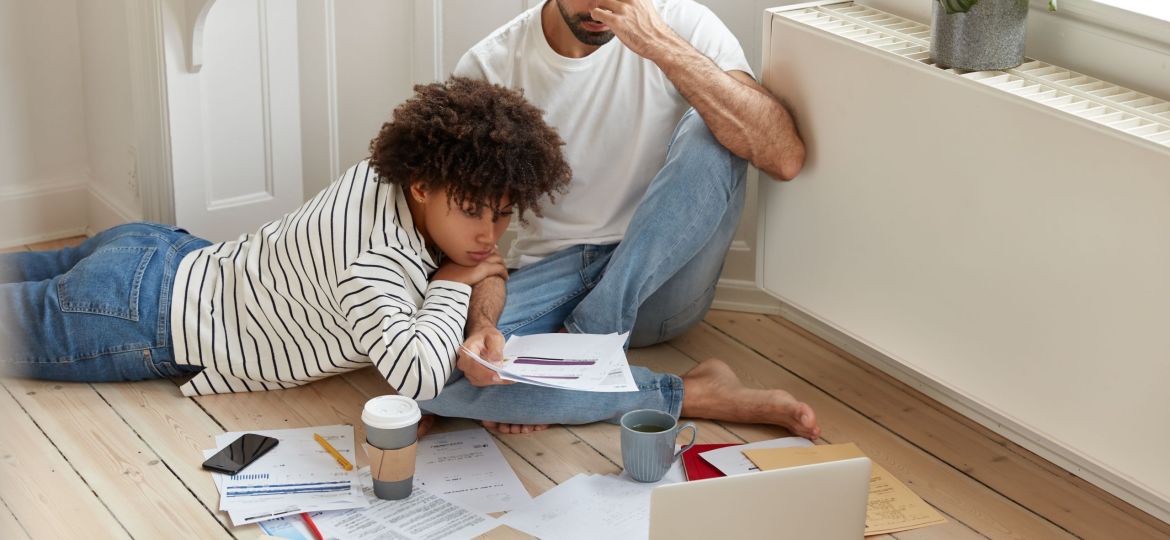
647,428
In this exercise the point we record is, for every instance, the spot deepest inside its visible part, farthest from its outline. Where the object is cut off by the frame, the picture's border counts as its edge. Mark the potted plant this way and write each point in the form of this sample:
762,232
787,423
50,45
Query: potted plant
978,35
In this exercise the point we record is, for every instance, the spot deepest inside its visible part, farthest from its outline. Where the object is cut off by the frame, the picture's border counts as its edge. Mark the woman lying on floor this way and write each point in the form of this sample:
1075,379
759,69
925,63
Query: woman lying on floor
377,268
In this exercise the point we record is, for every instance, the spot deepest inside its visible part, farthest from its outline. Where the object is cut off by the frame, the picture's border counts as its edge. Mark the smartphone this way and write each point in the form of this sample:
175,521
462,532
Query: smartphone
240,453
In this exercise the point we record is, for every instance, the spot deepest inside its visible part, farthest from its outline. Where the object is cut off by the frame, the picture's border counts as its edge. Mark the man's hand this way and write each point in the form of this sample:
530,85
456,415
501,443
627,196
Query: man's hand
471,275
636,23
488,343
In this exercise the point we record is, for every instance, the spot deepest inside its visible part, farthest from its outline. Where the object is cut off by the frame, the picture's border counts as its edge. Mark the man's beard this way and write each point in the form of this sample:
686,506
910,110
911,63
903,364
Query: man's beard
579,32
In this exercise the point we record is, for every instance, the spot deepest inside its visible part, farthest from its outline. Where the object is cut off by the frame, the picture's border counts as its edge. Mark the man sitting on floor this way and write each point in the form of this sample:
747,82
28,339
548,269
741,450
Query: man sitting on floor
658,125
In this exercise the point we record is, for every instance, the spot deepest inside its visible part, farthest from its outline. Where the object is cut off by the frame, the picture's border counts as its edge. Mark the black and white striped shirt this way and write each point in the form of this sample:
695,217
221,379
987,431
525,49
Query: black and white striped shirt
332,287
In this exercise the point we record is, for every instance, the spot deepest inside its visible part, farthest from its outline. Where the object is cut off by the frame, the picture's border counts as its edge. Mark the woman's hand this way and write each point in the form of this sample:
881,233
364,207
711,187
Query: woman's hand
471,275
489,345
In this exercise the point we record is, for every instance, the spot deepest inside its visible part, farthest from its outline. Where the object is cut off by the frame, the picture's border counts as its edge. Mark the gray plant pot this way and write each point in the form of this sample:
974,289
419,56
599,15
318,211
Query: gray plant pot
989,36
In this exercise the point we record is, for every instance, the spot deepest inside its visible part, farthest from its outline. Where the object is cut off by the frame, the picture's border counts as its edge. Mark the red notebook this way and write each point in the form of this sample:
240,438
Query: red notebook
696,467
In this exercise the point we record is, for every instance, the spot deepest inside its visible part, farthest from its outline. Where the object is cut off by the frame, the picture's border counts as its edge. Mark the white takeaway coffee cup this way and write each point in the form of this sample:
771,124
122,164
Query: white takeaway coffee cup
391,424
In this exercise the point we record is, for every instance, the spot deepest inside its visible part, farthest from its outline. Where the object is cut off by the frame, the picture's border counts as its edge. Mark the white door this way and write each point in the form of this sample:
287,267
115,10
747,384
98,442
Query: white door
235,123
287,95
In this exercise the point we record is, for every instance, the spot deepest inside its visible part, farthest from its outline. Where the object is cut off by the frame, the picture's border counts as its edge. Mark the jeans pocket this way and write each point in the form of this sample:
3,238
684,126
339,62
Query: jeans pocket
108,282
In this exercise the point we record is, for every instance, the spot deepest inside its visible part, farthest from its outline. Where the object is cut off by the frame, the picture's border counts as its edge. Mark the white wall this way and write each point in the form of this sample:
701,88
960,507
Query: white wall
42,93
43,152
109,114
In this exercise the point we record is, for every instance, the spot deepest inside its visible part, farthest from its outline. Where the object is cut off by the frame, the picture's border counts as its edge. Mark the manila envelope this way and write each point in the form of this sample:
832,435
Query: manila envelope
892,507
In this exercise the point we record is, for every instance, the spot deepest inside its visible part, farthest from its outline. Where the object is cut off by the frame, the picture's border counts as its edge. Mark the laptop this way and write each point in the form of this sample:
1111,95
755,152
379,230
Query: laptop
824,501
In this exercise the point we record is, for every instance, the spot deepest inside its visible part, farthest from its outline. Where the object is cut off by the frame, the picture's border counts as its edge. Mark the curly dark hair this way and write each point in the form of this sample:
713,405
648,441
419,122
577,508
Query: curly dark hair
480,141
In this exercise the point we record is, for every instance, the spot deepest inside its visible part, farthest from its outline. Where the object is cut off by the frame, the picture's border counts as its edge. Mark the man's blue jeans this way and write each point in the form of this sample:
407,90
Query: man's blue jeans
100,311
656,283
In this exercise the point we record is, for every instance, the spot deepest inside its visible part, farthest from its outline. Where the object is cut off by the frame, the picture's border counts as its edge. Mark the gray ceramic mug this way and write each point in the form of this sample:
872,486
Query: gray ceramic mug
648,439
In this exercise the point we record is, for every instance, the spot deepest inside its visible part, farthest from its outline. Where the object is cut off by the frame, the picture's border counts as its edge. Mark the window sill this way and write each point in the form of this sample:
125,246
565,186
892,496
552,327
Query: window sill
1144,23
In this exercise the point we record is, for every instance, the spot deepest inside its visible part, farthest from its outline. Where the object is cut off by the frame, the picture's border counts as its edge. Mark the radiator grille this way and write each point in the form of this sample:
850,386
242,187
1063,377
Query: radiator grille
1127,111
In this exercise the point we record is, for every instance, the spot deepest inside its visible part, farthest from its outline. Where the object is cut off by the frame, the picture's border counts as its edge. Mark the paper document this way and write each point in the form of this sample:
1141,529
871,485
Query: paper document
588,507
587,362
298,475
892,507
290,527
421,516
467,467
730,460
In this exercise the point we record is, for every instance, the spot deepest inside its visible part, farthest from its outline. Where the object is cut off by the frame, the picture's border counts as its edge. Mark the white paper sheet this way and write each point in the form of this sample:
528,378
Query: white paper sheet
467,467
588,507
587,362
422,516
298,475
731,461
620,379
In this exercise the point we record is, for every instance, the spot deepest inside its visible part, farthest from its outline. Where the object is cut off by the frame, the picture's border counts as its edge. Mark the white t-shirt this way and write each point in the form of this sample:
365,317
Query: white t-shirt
614,109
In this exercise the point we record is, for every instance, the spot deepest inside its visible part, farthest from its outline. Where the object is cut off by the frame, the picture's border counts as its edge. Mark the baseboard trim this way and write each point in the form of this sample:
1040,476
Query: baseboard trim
44,213
1122,486
105,213
743,295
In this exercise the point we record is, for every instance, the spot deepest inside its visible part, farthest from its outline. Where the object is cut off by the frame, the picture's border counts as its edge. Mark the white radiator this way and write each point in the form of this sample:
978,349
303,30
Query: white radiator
1000,240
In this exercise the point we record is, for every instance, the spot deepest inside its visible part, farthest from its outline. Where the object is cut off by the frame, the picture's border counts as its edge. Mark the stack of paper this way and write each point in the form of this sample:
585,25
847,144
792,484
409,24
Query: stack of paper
587,507
587,362
459,477
422,516
296,476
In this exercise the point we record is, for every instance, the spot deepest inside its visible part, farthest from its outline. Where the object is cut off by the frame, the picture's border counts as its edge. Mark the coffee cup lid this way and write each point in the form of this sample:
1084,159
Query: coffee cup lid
391,412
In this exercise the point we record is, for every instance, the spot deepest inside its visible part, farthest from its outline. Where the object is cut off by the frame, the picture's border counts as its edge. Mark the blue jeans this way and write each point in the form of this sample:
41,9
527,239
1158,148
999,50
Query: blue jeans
656,283
97,312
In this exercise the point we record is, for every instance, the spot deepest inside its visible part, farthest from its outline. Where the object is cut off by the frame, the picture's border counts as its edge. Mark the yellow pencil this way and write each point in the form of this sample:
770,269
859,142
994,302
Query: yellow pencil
333,452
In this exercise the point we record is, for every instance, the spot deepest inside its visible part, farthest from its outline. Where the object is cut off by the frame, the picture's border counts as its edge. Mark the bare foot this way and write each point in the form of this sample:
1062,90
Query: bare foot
711,390
507,429
424,425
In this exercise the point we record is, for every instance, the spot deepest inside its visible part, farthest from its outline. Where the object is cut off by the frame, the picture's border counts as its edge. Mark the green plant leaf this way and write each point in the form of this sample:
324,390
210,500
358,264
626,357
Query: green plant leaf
957,6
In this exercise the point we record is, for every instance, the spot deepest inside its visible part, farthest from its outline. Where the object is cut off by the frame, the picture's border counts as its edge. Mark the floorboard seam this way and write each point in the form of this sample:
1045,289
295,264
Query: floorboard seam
526,460
594,448
164,463
896,434
70,463
952,415
14,518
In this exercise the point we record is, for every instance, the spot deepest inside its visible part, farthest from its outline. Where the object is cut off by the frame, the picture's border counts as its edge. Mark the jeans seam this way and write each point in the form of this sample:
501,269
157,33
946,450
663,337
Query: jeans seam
89,356
674,401
164,302
589,254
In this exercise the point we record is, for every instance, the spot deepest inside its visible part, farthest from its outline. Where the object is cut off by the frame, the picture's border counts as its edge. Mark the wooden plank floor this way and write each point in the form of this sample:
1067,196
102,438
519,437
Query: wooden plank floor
122,460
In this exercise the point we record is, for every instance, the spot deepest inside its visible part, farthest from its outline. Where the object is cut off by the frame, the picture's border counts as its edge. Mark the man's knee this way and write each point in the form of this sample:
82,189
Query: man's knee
693,140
